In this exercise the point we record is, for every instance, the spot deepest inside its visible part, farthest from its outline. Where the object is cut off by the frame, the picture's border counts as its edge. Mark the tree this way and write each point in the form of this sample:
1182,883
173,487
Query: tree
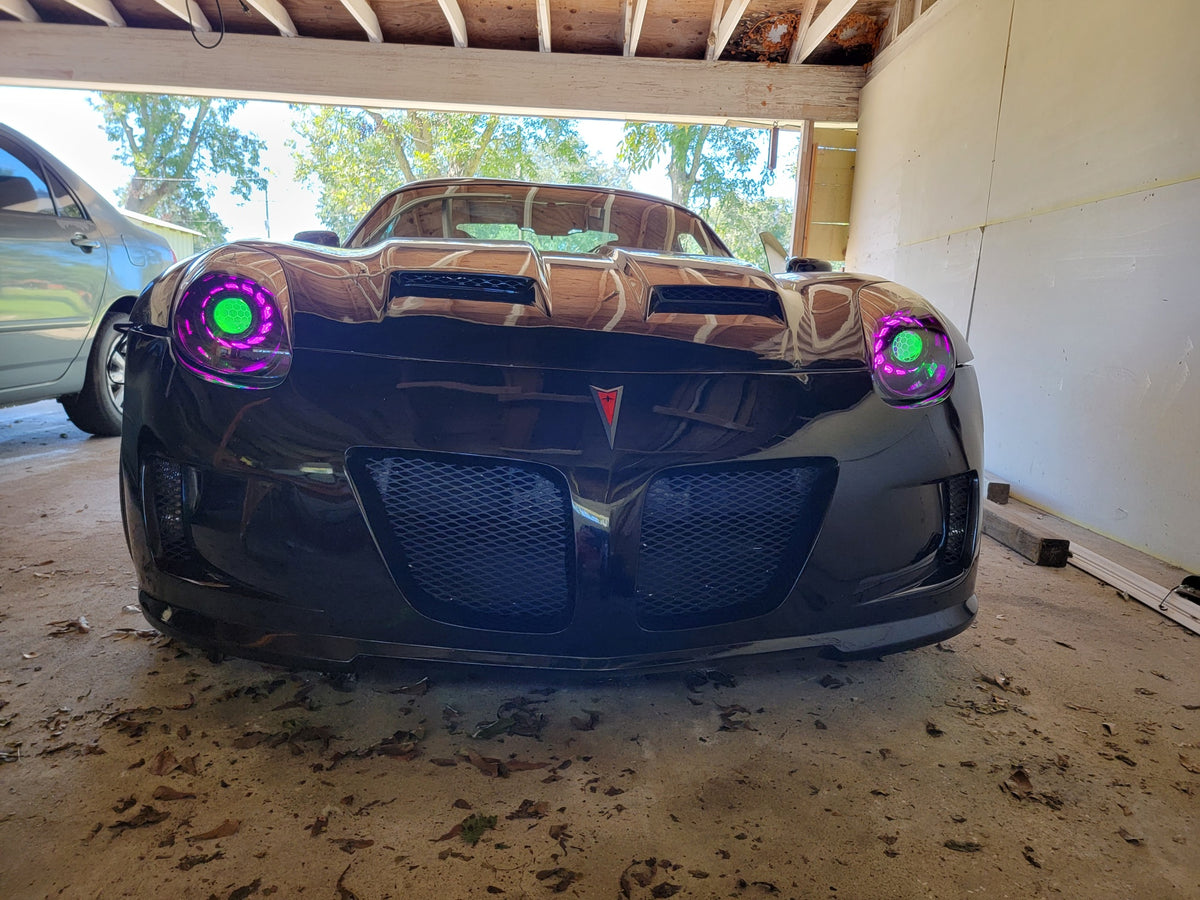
714,170
357,155
704,162
739,222
174,146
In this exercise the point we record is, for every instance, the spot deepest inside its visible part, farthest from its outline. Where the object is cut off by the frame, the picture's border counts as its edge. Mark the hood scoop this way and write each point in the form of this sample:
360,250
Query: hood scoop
714,300
457,285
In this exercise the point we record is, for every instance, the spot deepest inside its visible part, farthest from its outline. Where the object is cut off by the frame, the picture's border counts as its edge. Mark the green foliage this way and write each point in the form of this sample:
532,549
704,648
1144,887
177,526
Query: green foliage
357,155
717,172
473,827
739,222
705,163
175,145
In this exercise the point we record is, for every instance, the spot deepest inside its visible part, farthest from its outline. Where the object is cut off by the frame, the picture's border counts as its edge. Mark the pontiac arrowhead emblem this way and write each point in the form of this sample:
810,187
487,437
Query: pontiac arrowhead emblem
608,401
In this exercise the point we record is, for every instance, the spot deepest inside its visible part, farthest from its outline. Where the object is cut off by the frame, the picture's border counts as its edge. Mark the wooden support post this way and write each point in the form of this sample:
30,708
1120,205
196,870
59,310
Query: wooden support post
804,175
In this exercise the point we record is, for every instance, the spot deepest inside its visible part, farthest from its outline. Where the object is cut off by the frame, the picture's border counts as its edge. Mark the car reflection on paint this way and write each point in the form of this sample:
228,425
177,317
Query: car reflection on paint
545,426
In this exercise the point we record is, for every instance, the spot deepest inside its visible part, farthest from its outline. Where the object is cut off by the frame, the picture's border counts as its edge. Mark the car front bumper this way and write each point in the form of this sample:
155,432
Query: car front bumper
259,521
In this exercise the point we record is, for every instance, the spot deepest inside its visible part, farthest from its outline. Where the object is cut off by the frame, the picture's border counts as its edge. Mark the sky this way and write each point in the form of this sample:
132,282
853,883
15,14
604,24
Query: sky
63,122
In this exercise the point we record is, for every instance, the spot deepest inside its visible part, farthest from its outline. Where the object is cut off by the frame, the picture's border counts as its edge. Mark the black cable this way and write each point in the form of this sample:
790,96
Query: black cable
220,36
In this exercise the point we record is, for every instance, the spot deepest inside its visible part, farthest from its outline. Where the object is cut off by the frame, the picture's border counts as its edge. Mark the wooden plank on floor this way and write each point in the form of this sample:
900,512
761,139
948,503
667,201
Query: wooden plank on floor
1022,531
1164,600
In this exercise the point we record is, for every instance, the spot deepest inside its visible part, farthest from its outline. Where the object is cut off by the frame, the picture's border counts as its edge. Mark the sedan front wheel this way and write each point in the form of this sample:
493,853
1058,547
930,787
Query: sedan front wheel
96,409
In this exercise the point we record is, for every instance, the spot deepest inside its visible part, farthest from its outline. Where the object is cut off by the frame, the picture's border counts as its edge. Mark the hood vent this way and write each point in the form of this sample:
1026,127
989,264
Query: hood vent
715,300
454,285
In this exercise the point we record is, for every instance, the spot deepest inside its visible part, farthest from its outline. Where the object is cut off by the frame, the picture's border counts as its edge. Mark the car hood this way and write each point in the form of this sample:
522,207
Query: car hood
504,302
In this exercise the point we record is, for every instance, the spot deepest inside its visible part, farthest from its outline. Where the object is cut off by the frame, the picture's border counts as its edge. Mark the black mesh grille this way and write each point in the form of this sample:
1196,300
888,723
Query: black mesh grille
487,543
725,544
464,286
164,485
956,496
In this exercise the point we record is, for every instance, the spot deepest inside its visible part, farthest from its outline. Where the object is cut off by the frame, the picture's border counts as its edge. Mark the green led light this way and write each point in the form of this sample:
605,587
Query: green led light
232,315
907,346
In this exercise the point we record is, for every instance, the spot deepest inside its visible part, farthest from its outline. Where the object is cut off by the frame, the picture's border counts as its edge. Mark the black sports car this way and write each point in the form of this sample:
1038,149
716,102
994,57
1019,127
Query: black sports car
546,426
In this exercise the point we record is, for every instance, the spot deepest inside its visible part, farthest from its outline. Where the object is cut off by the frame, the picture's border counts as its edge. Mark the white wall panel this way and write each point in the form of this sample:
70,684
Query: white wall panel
943,271
1085,332
1085,312
924,162
1101,98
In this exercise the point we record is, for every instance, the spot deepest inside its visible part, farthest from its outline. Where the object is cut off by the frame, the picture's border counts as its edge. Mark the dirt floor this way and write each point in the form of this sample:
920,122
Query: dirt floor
1053,749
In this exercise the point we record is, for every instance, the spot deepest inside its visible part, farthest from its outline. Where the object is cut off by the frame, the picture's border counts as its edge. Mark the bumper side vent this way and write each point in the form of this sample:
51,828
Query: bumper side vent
959,502
164,483
486,543
720,544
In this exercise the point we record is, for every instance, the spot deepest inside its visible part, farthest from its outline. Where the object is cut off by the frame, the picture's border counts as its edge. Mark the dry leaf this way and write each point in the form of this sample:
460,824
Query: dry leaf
162,792
225,829
147,815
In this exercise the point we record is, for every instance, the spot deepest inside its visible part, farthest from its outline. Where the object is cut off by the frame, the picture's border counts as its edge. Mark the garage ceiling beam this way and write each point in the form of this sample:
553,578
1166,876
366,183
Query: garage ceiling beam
365,16
823,26
806,17
274,13
20,10
102,10
458,25
723,26
188,11
398,75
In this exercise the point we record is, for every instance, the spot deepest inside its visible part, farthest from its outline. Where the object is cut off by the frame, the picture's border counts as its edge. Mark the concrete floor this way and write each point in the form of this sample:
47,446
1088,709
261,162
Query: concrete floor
1053,749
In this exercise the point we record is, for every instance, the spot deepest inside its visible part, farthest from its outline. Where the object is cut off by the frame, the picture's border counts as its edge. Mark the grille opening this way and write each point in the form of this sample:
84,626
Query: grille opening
472,541
451,285
722,544
957,505
165,486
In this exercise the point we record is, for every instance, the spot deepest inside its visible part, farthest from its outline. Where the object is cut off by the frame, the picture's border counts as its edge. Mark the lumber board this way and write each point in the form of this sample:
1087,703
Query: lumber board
1026,534
1161,599
356,73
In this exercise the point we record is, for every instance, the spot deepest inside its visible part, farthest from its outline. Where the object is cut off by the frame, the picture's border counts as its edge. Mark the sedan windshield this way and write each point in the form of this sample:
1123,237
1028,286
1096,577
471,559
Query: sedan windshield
554,219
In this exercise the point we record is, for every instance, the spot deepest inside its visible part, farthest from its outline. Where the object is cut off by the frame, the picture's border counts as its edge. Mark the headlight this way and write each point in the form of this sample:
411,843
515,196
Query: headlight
229,325
912,359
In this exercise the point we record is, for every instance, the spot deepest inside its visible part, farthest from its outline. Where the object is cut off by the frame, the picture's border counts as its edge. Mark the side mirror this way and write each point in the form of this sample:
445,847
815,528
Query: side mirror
776,255
324,238
808,264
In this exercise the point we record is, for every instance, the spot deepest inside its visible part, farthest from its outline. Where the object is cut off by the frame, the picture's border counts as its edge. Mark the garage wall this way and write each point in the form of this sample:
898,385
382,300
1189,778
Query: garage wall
1033,168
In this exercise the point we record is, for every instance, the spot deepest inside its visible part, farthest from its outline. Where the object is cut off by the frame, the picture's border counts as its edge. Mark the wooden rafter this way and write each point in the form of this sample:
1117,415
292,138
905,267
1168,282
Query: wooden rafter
806,17
635,17
723,29
823,26
102,10
458,25
188,11
543,22
20,10
273,12
366,18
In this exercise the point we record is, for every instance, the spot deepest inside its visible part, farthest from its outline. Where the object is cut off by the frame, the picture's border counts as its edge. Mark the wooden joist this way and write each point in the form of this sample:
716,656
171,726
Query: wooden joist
1023,532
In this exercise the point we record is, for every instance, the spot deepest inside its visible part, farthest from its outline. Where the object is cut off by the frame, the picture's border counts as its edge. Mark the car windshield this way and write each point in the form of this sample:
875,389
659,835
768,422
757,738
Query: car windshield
554,219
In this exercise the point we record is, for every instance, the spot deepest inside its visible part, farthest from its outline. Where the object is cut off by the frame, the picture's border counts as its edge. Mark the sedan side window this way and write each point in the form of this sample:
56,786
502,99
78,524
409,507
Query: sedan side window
22,188
64,200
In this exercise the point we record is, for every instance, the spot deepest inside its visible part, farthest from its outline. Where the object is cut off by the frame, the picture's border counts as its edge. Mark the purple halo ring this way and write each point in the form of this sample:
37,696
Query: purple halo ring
918,381
258,354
